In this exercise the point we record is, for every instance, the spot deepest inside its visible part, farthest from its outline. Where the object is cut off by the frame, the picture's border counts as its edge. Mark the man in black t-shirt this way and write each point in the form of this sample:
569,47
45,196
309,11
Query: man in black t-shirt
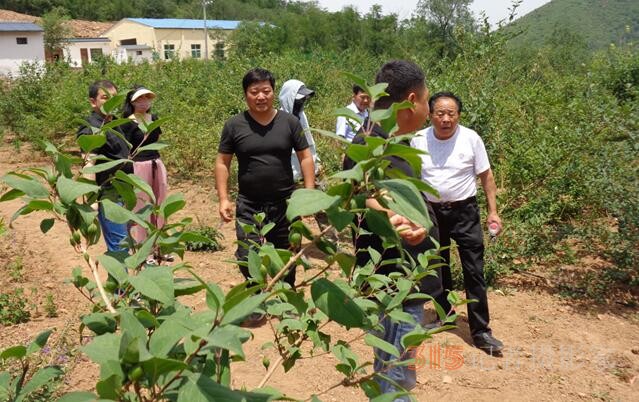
262,138
114,148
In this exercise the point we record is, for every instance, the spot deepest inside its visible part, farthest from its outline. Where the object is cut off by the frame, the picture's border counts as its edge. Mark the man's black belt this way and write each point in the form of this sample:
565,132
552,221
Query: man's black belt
454,204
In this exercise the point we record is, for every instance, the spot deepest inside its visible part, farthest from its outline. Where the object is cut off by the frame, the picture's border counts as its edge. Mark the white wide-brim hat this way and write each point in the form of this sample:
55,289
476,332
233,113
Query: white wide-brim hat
141,92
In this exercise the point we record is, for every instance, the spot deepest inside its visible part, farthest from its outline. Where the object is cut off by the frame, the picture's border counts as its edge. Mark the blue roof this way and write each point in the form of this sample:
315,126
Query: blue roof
175,23
20,27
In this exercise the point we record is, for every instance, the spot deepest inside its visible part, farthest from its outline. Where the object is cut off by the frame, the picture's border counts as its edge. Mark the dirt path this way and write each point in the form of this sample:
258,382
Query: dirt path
556,348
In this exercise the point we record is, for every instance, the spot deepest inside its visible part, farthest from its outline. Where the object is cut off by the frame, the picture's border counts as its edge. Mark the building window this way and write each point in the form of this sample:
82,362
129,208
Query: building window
96,53
219,50
125,42
196,51
169,52
138,53
22,41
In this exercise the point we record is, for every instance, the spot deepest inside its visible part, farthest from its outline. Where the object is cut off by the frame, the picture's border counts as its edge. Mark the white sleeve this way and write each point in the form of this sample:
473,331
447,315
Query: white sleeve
482,163
340,127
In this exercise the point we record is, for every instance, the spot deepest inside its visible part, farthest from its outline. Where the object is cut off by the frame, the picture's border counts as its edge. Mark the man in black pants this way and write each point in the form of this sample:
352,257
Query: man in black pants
262,138
456,157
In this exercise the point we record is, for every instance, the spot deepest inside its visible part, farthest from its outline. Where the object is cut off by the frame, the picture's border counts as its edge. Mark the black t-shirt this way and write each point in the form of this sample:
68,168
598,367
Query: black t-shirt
430,285
114,148
263,154
135,136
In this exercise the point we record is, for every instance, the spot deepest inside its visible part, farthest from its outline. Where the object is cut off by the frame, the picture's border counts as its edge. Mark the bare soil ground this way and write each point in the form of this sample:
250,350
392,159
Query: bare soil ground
557,349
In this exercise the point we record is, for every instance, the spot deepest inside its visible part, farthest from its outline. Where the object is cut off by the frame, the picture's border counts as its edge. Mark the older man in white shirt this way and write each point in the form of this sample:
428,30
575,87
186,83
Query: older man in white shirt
456,157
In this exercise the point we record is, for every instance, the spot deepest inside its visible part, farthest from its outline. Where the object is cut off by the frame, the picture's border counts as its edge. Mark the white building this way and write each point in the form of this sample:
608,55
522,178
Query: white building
20,42
81,51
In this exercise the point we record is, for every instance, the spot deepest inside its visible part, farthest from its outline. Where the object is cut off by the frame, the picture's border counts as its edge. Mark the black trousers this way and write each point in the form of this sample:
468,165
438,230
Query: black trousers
460,221
275,212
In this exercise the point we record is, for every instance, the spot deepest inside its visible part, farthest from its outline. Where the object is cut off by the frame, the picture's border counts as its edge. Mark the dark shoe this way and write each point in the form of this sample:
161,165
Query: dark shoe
254,320
488,343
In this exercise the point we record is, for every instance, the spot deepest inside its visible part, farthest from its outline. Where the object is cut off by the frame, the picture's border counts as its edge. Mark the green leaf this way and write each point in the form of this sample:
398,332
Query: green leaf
100,323
14,352
372,340
337,305
41,378
241,310
199,388
136,182
78,397
378,222
27,184
407,201
114,267
229,337
11,195
90,142
69,189
339,218
6,386
306,202
103,348
155,283
167,335
331,135
110,387
131,326
112,104
156,146
137,259
186,286
172,204
46,224
378,90
349,114
155,367
39,341
118,214
101,167
358,152
414,337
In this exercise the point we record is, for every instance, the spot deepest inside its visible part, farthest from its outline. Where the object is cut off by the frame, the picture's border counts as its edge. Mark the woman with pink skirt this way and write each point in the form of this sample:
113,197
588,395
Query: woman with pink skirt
147,164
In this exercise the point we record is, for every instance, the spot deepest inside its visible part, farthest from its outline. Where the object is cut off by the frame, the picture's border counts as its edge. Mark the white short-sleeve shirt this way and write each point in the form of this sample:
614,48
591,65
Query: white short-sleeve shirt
452,165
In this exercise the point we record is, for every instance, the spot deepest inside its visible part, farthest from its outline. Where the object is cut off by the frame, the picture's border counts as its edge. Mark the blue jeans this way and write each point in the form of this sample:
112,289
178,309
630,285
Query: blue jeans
114,233
404,376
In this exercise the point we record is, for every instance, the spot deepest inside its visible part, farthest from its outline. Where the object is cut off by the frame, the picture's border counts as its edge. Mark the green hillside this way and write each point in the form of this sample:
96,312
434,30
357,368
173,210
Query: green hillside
597,22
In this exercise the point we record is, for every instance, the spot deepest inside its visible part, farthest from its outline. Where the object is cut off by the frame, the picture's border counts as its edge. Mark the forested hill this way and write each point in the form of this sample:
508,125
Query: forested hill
596,23
113,10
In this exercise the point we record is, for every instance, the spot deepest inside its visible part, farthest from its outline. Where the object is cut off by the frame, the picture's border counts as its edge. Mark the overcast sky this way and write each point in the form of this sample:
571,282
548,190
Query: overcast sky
495,9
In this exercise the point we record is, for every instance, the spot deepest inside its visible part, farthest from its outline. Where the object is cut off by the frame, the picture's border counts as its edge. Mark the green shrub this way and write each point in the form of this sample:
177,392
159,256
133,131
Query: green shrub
210,240
13,307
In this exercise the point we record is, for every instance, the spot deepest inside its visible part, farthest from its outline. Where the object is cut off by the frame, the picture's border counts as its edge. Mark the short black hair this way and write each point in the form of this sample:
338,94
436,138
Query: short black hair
402,77
256,75
357,89
445,94
97,85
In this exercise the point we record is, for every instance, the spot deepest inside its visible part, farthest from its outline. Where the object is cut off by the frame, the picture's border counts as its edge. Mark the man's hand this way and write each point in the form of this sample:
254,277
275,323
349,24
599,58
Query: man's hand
226,210
494,218
409,232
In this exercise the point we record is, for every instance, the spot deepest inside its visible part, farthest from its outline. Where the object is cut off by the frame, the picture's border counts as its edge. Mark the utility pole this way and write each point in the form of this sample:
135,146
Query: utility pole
206,33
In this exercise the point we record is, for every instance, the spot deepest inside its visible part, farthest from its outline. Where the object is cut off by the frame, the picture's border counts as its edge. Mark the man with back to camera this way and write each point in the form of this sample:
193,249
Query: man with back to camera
361,102
114,148
456,157
262,138
406,82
